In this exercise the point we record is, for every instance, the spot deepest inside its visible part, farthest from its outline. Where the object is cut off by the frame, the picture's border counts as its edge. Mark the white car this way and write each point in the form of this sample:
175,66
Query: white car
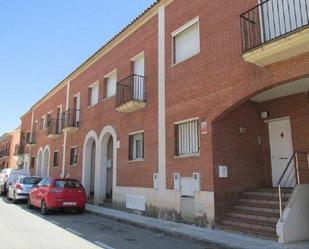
21,188
5,173
14,175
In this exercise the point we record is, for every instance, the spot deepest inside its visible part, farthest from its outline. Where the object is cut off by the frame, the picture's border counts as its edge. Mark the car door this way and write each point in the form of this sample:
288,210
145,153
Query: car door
35,193
43,190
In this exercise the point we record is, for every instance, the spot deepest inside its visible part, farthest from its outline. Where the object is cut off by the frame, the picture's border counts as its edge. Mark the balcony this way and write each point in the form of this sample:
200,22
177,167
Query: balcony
54,128
275,30
4,152
30,139
18,150
130,94
71,120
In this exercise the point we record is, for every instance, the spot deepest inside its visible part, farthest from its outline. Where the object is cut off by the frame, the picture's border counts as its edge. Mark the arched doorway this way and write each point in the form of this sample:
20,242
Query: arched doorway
39,163
92,169
89,164
255,141
106,179
45,167
109,169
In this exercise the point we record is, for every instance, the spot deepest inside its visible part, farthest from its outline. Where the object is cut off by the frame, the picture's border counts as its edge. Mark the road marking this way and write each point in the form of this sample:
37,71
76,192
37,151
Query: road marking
99,243
73,231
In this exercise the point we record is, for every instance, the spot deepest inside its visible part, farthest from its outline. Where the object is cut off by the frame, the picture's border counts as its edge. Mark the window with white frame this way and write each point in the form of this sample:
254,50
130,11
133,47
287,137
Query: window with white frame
42,123
56,158
73,156
136,146
93,94
187,138
186,41
110,82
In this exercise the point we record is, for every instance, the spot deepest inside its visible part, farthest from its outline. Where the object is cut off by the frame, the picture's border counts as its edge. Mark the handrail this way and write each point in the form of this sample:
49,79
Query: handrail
270,20
70,118
130,88
296,176
54,126
286,168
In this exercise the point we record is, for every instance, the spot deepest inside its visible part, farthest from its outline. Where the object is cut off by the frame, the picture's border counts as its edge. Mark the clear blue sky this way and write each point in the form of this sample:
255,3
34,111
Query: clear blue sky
42,41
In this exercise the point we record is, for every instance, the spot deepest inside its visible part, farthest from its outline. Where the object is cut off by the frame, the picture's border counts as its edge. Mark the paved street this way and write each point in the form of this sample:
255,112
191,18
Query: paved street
22,229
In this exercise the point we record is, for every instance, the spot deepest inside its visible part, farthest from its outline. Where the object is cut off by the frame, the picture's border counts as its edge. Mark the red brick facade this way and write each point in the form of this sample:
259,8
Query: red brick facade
8,150
214,86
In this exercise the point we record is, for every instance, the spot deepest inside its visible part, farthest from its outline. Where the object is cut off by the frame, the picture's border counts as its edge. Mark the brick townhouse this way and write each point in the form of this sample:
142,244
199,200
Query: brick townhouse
196,110
10,149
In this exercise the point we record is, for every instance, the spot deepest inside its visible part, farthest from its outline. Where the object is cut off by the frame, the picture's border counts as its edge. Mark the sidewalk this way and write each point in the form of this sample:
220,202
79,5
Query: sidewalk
192,232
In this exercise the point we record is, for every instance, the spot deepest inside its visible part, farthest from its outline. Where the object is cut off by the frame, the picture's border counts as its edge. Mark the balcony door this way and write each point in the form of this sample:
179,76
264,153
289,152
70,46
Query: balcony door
58,125
138,80
279,17
76,107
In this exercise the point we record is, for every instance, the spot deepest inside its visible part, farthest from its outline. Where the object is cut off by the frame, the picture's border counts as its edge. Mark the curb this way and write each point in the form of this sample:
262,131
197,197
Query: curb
161,230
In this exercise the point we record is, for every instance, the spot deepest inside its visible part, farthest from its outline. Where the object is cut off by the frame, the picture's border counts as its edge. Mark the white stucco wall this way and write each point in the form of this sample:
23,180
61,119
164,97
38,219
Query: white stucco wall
169,199
295,224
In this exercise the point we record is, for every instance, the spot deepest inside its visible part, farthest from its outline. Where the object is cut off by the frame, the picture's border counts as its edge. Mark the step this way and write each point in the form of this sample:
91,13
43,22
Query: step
260,202
258,234
252,207
271,190
262,217
244,224
265,196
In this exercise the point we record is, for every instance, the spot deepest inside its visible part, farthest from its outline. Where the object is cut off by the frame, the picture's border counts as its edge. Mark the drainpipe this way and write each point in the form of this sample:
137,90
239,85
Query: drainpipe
65,133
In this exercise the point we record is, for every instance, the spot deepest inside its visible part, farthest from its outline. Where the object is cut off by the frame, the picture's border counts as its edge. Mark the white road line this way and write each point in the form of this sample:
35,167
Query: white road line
99,243
73,231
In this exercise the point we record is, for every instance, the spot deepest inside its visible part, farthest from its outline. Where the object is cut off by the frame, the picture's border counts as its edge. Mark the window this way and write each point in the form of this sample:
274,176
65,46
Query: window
67,184
42,123
35,126
73,156
187,138
46,182
56,158
110,82
94,94
186,41
48,120
136,146
32,162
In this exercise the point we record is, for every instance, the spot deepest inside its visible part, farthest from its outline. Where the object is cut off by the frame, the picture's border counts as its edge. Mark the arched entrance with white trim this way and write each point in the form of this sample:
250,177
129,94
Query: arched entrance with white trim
46,160
39,162
106,177
89,163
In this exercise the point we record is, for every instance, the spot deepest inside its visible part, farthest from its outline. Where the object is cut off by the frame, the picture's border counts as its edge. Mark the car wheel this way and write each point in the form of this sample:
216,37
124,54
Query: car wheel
29,205
80,210
7,195
44,209
14,198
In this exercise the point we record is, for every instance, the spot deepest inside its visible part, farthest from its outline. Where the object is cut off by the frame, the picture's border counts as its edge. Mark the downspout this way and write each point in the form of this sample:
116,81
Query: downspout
65,133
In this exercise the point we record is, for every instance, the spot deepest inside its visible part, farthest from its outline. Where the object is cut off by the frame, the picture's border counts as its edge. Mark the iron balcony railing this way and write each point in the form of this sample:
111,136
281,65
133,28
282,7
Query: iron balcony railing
70,118
30,138
19,149
5,151
272,19
296,172
54,127
129,89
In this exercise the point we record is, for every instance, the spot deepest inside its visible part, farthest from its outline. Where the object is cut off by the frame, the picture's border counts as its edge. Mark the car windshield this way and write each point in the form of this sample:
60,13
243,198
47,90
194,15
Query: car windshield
67,184
30,180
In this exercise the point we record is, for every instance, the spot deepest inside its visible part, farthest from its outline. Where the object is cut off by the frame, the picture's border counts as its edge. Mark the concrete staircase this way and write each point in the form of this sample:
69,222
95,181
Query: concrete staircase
256,212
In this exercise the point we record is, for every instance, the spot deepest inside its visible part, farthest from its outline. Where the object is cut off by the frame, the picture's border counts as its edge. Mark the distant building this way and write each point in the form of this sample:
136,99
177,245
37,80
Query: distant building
9,144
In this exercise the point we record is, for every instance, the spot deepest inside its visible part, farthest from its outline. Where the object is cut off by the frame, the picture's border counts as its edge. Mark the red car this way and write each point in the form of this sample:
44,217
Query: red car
62,193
